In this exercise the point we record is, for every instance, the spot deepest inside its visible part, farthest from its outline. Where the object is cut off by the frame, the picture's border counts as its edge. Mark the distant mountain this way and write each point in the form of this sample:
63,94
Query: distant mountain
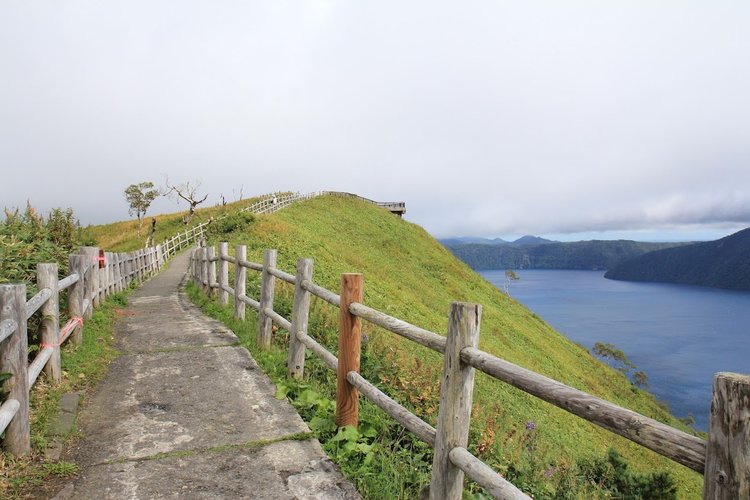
532,240
462,240
596,254
724,263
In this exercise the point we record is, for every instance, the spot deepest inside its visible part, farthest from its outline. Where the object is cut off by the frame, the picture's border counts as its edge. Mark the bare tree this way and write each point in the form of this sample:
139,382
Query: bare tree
188,193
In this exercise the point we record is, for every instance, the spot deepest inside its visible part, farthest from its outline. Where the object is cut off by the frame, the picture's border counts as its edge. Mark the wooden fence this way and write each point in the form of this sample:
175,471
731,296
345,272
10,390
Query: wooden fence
724,459
94,275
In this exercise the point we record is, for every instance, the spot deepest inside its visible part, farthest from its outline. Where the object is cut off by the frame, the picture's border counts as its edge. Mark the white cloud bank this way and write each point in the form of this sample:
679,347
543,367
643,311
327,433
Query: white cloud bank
487,118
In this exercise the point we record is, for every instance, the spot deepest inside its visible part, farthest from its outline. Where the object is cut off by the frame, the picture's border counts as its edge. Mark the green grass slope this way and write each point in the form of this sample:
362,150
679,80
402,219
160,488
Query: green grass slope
411,276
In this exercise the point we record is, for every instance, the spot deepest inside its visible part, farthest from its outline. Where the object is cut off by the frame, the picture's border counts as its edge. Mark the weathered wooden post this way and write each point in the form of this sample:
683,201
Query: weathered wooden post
88,287
103,275
203,254
456,391
75,295
727,473
300,312
92,288
240,283
350,338
210,256
117,272
49,329
223,273
14,352
267,285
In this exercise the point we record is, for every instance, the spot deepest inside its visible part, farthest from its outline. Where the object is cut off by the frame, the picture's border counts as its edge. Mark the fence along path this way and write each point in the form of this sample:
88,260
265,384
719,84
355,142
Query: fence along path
724,459
95,274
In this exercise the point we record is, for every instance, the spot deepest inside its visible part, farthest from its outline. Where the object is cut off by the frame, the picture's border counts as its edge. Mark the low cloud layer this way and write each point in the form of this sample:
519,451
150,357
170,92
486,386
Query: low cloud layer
490,118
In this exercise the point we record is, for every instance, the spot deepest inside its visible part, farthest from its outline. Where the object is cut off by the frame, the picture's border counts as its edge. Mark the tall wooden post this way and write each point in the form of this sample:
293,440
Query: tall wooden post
103,276
14,352
46,277
727,473
240,284
456,390
210,255
75,295
267,285
300,312
204,269
350,338
117,272
88,284
92,285
223,273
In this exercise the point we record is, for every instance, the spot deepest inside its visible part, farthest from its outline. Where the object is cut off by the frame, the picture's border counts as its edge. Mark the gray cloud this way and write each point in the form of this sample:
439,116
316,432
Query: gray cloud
488,118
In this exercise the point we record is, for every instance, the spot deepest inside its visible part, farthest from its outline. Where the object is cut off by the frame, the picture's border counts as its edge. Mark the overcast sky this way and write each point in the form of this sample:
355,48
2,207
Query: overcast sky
566,119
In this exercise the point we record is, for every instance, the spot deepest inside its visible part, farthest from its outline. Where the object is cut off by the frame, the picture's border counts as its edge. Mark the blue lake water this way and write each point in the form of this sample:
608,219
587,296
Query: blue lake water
679,335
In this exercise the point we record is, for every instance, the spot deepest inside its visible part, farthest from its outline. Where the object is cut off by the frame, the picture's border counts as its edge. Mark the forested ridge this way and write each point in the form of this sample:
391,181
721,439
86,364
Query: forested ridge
583,255
723,263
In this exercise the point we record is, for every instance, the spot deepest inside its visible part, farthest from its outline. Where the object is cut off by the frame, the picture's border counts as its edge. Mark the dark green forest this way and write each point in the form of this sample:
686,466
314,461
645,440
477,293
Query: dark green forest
724,263
583,255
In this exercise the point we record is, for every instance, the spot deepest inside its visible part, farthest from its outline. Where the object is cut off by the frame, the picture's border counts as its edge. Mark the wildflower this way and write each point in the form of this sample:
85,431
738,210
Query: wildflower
530,425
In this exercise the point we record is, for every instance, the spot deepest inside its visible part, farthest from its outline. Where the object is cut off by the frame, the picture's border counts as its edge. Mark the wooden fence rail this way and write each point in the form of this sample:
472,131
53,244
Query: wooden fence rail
94,276
724,459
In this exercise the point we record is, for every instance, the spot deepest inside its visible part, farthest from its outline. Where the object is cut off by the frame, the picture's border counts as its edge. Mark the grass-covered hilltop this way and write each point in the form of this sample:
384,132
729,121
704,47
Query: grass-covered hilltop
408,274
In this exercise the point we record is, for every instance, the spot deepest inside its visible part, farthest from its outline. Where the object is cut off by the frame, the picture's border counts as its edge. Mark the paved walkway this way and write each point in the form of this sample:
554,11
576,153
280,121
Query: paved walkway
187,413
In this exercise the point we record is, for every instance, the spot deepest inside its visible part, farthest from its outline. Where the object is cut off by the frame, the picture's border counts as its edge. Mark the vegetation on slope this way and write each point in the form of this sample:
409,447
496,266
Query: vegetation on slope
585,255
724,263
409,275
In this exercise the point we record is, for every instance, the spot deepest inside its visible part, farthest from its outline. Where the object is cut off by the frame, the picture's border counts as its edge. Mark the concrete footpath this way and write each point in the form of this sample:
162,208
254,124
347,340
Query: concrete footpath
187,413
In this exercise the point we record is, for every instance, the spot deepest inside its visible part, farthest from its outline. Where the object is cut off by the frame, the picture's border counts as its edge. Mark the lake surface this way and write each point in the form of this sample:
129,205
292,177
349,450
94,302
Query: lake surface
680,335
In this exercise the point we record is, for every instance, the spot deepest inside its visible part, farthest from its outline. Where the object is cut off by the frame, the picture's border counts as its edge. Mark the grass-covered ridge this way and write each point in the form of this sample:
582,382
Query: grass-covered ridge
411,276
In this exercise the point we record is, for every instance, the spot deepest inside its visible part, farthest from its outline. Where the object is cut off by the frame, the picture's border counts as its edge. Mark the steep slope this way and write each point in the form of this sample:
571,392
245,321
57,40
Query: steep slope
411,276
724,263
595,254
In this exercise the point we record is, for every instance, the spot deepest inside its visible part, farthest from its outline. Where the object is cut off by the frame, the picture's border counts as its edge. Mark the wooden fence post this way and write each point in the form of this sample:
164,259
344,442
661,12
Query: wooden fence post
350,338
267,285
49,330
204,270
88,285
117,272
92,283
14,358
727,473
240,284
103,276
223,273
210,255
199,266
456,391
75,295
300,312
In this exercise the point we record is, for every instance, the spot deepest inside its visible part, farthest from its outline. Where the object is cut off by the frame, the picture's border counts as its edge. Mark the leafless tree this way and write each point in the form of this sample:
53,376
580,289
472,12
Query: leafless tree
187,192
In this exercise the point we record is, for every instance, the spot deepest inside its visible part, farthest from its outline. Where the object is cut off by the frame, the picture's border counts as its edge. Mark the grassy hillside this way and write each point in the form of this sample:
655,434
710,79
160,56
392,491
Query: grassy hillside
411,276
